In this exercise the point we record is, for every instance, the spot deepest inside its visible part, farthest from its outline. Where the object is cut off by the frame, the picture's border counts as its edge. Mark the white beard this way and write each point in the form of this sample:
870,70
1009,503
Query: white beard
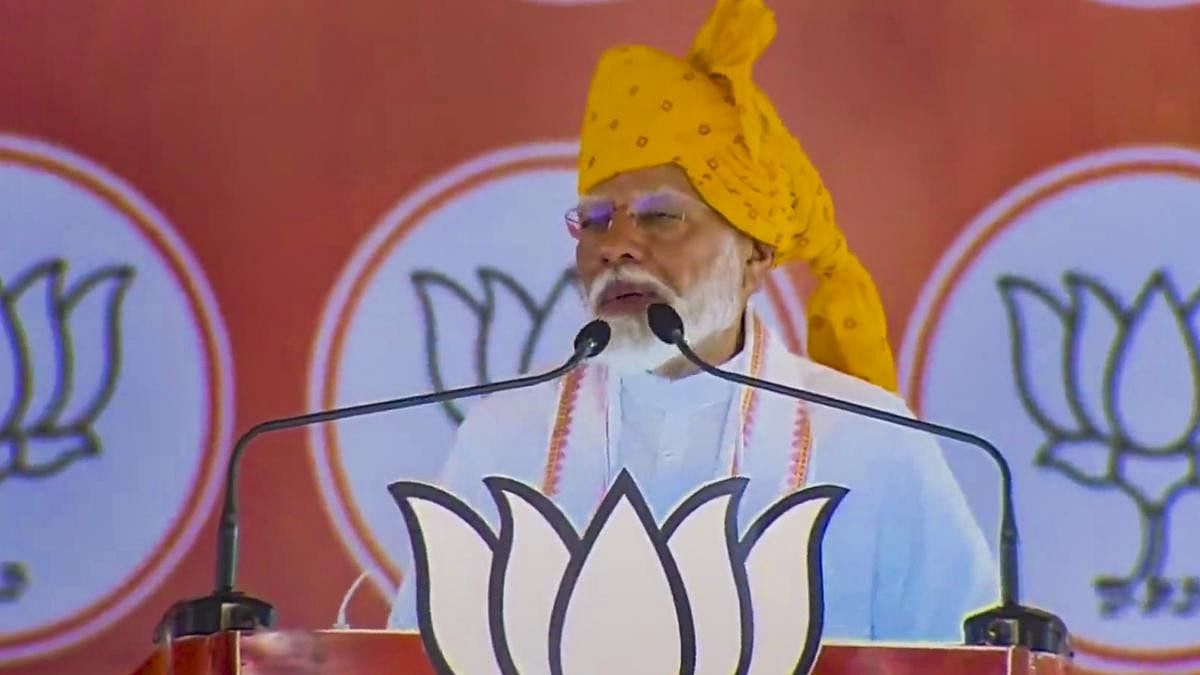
710,307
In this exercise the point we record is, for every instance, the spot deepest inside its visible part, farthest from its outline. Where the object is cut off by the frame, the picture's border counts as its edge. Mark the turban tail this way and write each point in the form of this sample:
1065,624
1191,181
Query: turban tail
705,114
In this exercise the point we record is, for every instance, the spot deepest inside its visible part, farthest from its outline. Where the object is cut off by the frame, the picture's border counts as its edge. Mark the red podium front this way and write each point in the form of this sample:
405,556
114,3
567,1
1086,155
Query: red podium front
361,652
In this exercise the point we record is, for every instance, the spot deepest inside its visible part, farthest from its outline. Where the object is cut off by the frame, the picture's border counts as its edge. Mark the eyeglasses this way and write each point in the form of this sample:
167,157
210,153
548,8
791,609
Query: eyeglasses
656,212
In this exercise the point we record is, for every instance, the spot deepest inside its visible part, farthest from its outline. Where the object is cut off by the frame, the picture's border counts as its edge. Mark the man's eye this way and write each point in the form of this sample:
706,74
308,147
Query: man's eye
588,219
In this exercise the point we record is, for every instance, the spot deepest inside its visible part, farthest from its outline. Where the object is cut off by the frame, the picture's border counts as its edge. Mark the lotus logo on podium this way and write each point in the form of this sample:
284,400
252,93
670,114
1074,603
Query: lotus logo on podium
689,595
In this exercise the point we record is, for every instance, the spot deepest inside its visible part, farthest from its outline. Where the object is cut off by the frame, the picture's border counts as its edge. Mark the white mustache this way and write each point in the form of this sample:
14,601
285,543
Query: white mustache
633,275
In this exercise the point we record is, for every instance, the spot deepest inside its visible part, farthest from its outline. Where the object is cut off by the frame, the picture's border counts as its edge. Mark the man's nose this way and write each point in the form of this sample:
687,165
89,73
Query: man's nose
622,242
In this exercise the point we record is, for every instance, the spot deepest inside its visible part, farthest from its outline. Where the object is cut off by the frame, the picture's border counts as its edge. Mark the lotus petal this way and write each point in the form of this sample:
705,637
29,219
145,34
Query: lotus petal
454,325
13,368
519,321
1086,461
562,314
782,552
534,548
622,594
1039,327
92,339
34,300
43,455
1191,311
512,316
1154,379
702,535
452,555
1093,340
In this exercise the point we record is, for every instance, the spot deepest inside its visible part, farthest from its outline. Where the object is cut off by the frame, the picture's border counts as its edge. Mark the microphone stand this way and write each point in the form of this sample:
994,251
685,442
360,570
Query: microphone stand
228,609
1008,624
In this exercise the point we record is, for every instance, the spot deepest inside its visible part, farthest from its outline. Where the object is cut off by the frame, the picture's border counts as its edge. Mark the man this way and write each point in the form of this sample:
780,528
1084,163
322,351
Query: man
691,192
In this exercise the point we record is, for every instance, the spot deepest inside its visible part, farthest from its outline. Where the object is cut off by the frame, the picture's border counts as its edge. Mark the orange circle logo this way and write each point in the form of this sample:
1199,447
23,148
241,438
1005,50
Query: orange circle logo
115,398
1082,285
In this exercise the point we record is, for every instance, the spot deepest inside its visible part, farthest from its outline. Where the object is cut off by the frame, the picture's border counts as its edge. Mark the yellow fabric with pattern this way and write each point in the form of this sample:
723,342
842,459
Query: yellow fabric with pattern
705,114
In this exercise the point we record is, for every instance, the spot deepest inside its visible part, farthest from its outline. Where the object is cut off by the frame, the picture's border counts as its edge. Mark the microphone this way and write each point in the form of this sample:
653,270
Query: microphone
1008,624
227,609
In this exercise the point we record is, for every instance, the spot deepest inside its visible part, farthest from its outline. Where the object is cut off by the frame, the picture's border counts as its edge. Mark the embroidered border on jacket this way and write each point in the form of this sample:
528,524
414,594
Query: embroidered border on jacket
750,395
801,444
562,430
801,437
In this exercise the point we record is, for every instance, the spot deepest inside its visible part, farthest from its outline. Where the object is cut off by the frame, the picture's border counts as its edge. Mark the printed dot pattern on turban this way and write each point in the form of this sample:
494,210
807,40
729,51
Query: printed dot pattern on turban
705,114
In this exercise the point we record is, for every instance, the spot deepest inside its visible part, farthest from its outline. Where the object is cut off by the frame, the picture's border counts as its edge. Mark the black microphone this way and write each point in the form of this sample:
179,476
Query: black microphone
227,609
1009,624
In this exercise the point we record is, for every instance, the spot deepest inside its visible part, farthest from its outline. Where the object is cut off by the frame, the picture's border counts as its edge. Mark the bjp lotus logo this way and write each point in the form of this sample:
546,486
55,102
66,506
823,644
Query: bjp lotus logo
116,393
1063,324
504,307
1127,414
65,351
689,595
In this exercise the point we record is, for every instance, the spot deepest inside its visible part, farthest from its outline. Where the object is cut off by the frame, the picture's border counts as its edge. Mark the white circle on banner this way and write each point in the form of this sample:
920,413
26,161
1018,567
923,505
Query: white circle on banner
1083,284
115,398
468,279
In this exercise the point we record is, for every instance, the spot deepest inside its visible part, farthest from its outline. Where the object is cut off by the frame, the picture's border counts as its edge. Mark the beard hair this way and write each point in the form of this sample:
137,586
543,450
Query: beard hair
711,306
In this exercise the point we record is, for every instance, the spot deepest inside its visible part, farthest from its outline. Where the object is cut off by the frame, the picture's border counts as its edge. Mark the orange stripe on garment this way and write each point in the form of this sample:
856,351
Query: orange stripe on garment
750,394
562,430
801,444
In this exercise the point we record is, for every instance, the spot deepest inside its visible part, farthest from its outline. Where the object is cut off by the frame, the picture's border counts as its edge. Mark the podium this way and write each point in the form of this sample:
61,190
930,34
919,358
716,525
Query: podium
366,652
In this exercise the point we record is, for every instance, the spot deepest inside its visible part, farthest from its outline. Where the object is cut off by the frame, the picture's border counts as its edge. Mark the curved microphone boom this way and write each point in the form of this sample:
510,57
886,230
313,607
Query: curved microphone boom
228,609
1008,624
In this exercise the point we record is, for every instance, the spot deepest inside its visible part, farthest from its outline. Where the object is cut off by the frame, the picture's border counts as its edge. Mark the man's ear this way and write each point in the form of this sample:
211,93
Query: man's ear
757,265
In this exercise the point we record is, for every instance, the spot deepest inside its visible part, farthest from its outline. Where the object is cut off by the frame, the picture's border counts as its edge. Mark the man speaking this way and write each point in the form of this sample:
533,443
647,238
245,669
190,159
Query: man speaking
691,191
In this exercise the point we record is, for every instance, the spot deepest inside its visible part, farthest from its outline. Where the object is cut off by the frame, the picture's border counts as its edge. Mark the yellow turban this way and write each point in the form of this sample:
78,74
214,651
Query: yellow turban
705,114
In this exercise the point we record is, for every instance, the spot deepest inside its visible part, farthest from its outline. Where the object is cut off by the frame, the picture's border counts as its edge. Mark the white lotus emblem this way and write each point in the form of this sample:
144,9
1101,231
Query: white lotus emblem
689,597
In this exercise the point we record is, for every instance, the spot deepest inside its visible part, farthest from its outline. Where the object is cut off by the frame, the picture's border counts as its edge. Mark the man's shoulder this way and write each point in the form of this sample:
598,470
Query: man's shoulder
870,442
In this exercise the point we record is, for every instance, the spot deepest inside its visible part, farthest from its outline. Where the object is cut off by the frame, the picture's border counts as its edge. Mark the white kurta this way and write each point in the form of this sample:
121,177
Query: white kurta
671,434
903,558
